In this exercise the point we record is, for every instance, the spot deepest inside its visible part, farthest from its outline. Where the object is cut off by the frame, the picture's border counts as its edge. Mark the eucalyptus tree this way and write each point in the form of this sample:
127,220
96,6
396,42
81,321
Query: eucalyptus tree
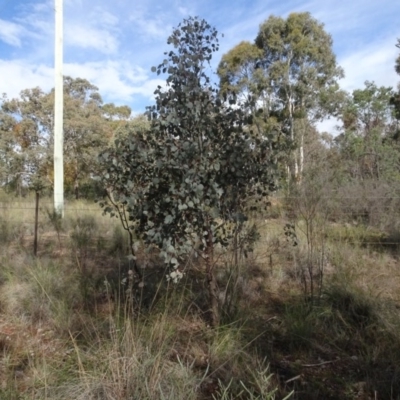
181,182
291,71
395,100
86,131
10,158
121,128
397,65
27,122
368,110
117,118
368,164
25,140
368,128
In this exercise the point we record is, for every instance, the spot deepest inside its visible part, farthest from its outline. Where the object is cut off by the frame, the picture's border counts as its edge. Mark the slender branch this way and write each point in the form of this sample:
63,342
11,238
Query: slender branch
319,364
125,225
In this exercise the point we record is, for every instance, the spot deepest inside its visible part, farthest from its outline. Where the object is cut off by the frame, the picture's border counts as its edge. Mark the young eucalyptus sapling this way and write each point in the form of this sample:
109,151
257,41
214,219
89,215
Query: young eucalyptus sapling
183,181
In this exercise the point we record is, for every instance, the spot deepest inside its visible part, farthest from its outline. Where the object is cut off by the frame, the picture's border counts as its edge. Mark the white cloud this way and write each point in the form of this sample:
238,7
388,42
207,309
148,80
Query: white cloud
11,33
151,25
22,75
329,125
103,17
117,81
94,28
341,16
183,11
41,6
37,19
374,63
155,28
73,3
90,37
137,33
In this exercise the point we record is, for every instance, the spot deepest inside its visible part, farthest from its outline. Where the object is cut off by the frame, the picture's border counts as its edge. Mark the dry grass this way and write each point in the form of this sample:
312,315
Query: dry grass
67,331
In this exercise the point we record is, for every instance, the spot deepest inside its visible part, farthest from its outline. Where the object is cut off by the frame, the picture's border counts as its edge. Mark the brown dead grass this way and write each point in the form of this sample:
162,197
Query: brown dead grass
321,352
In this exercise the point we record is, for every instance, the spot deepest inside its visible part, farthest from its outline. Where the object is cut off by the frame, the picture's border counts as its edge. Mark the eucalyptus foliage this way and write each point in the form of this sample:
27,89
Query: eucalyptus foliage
291,70
183,181
26,134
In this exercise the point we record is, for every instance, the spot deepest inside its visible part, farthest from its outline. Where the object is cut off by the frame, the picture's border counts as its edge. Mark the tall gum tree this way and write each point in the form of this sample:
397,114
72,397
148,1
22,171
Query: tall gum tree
28,136
368,129
10,155
181,183
27,141
86,130
395,100
292,73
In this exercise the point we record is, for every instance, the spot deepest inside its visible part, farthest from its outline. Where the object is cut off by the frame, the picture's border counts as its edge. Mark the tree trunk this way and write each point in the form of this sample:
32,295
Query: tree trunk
294,162
35,240
301,157
76,180
76,189
212,281
304,125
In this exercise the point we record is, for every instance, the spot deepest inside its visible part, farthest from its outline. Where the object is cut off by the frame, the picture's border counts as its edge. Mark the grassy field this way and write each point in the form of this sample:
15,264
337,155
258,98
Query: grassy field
304,315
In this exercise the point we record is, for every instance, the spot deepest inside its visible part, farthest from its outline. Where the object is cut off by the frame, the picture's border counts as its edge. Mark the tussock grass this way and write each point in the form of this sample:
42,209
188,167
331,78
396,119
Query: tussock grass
128,364
69,329
65,336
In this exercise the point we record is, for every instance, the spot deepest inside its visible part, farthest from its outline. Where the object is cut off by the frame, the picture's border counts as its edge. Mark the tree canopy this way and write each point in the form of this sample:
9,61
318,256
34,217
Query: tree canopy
27,125
184,179
291,71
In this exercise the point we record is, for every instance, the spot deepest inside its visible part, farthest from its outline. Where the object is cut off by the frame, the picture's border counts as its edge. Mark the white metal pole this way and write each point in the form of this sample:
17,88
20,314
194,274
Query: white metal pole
58,112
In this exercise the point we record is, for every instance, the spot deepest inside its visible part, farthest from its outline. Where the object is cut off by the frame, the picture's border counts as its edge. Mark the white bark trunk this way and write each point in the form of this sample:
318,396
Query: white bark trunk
58,112
301,156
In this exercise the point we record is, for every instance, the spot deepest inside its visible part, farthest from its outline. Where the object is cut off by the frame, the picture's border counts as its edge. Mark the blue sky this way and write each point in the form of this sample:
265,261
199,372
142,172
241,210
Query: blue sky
115,43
